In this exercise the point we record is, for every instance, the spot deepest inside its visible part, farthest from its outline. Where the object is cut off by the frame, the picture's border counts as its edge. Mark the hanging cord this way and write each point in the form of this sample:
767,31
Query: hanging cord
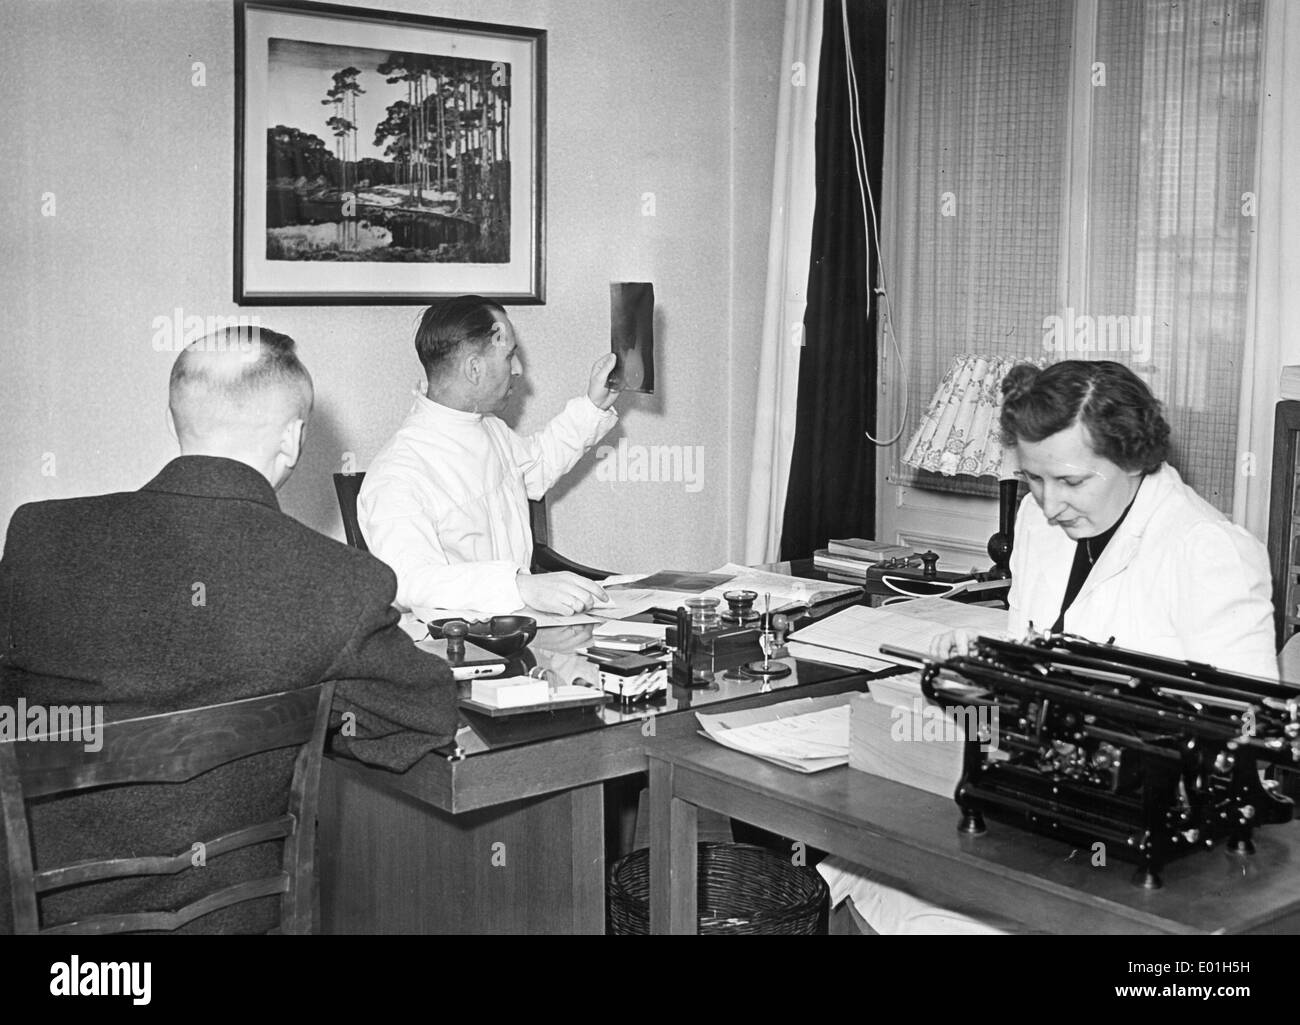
868,201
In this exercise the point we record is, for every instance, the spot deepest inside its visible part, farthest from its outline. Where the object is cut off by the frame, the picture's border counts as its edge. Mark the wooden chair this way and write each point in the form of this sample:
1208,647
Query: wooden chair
347,486
172,748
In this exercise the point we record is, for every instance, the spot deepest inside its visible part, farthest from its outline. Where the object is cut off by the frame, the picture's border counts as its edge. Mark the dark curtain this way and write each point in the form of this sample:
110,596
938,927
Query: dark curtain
832,477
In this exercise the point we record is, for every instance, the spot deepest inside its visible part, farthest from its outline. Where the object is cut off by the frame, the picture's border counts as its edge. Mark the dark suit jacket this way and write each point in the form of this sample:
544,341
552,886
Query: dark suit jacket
192,591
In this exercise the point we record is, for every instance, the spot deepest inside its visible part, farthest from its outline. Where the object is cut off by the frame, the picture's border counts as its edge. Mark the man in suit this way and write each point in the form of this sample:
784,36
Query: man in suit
197,590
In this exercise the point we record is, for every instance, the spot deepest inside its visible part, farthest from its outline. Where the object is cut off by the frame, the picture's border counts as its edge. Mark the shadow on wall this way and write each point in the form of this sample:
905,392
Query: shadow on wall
308,495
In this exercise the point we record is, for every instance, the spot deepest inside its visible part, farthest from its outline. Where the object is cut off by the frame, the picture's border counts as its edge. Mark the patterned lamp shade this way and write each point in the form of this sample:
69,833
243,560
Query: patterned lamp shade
959,434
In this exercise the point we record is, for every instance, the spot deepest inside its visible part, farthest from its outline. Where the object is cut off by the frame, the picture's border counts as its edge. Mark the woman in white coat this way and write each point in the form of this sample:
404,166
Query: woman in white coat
1110,544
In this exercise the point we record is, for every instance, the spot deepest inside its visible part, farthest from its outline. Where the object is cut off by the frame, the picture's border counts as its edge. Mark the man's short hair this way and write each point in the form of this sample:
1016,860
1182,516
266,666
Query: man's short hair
267,364
451,325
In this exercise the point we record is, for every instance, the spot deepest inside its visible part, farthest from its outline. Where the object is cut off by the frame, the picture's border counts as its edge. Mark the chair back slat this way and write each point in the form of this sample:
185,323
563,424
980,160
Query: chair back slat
18,845
300,846
347,487
537,522
172,748
168,921
163,748
116,868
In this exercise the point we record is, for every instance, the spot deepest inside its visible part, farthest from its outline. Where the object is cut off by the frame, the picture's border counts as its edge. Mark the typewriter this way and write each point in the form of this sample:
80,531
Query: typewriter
1154,757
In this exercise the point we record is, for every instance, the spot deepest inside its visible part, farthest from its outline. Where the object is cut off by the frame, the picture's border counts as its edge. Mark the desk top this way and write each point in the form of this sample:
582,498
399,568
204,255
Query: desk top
912,836
554,647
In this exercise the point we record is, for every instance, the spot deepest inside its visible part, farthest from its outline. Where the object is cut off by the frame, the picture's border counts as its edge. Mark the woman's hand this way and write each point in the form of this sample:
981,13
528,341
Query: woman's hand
952,644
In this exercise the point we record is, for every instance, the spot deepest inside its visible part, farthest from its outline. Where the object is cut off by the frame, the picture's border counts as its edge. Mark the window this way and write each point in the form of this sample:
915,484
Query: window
1090,162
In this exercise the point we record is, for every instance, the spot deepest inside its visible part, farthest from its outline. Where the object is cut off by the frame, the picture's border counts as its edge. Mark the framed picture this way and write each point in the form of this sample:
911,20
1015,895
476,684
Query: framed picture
386,158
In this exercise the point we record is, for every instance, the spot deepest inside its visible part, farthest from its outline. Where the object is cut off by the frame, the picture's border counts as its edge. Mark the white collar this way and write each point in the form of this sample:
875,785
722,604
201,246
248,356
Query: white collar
427,409
1152,492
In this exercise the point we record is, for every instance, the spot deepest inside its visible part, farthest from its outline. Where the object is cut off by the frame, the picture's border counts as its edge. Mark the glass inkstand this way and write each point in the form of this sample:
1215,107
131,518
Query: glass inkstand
740,607
704,614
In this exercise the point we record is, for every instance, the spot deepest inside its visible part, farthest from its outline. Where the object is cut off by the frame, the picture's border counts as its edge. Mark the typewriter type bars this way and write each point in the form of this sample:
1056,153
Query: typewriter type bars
1151,756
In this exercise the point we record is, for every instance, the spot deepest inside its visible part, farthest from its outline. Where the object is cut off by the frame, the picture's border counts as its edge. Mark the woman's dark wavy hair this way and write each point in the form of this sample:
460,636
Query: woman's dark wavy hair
1123,419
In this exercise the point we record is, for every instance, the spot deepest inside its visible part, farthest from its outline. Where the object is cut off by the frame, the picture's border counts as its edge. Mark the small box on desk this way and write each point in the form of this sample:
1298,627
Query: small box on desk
724,640
509,692
896,733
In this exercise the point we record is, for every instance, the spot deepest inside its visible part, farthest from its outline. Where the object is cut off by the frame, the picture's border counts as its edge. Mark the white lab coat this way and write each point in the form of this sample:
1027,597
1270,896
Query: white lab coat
445,502
1176,579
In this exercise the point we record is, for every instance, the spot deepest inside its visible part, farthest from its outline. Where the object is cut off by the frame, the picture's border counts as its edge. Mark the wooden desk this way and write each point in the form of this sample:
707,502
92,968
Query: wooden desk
510,838
911,836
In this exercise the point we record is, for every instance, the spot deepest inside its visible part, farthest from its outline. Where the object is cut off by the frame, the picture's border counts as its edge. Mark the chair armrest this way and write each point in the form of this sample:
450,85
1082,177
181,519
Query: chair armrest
545,560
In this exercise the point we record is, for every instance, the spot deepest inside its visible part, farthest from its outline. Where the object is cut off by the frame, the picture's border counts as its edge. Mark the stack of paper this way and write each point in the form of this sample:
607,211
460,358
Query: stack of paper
807,734
511,692
785,590
857,633
627,598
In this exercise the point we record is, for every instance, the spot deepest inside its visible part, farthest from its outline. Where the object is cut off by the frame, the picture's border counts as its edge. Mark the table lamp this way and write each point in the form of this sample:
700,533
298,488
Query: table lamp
960,436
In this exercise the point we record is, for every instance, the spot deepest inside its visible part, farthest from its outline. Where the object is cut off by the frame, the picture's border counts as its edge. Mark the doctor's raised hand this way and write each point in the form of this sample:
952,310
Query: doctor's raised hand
598,390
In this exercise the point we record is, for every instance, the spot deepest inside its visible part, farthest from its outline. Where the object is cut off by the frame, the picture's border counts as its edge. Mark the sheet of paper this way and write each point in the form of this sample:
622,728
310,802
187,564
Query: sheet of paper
814,653
622,578
627,599
613,628
896,690
735,719
681,581
630,601
905,688
806,734
798,765
785,590
822,734
861,631
470,616
956,615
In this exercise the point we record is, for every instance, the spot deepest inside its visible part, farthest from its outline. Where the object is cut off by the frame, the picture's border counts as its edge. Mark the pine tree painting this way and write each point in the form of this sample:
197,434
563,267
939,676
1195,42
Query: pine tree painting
385,156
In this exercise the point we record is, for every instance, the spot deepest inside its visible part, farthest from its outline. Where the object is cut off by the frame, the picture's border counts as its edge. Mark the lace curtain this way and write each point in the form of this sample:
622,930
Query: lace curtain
1137,248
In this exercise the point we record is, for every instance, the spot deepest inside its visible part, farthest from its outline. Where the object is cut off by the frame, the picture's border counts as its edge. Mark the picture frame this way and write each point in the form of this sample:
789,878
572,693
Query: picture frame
384,158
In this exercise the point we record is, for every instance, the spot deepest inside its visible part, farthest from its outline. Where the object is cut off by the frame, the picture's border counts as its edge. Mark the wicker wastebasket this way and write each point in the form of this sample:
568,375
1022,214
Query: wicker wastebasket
742,890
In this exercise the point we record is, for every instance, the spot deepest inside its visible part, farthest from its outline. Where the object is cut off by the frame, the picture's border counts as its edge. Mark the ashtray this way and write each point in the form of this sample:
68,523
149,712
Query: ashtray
501,635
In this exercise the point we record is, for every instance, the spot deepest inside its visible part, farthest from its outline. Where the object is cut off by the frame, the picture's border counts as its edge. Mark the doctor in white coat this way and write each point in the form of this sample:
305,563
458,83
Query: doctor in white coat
1110,544
445,502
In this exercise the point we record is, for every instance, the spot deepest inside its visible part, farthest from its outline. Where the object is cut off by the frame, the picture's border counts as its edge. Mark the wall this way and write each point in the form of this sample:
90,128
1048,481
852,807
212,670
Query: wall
675,97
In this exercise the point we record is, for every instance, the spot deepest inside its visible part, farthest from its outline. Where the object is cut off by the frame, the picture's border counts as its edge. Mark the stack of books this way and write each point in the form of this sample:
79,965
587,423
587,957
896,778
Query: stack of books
855,556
